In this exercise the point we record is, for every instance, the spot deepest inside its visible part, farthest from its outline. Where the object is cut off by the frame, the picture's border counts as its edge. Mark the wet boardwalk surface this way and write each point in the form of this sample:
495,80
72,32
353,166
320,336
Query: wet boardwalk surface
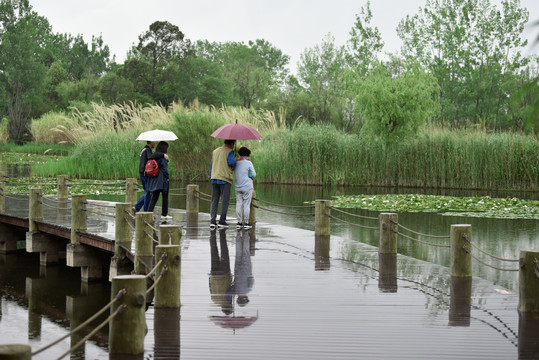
301,306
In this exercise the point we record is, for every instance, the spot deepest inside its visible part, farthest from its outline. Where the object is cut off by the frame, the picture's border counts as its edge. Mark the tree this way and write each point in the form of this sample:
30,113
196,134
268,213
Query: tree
396,107
162,46
320,71
473,49
23,40
365,43
114,89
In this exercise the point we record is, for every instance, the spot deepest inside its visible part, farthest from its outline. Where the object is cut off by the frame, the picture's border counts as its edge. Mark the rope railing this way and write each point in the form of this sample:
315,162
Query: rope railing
486,253
163,257
178,189
282,205
175,194
350,223
281,212
118,311
150,236
150,225
420,241
354,215
418,233
161,274
484,263
129,223
102,205
133,217
118,296
202,193
100,214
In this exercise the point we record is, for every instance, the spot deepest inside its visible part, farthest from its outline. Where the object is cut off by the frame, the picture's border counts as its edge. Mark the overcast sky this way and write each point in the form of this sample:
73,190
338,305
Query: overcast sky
290,25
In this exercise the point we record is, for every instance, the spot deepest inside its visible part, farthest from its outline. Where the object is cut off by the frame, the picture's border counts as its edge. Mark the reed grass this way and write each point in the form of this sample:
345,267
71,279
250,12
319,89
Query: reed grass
3,131
438,159
306,154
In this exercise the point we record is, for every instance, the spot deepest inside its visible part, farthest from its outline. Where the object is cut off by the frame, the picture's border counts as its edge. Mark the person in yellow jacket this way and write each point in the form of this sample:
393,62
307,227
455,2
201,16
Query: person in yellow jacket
221,174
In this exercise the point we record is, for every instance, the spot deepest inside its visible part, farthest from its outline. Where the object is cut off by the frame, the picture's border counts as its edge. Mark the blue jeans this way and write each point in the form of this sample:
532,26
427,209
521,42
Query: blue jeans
145,198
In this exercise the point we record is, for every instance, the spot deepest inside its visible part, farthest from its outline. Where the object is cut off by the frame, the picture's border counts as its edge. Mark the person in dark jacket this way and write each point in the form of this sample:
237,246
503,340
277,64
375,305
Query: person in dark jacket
160,183
145,153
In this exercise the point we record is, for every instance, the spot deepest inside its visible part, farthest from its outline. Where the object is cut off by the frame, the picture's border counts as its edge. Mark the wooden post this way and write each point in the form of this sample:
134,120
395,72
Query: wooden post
167,290
252,213
192,200
460,301
2,191
461,261
528,280
131,191
170,235
35,208
61,182
15,352
143,241
122,231
388,233
127,330
321,218
78,216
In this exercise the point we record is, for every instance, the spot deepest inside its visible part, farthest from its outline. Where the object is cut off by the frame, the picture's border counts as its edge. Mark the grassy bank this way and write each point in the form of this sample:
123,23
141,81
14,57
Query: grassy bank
306,154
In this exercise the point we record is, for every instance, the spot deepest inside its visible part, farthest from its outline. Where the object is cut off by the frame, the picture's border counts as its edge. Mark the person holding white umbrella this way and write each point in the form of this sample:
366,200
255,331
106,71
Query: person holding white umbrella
145,154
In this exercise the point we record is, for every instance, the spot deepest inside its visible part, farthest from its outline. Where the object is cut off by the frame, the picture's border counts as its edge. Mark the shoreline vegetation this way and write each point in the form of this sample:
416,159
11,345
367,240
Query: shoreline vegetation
100,144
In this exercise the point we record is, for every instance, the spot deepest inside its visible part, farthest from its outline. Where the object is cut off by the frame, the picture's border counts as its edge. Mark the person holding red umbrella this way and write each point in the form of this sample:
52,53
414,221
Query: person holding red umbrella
221,174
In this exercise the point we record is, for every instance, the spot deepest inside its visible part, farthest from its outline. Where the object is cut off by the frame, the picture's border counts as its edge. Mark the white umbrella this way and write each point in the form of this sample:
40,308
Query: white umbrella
157,135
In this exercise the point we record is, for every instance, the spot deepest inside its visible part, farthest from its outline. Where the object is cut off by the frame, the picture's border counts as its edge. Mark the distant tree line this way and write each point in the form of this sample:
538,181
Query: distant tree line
461,65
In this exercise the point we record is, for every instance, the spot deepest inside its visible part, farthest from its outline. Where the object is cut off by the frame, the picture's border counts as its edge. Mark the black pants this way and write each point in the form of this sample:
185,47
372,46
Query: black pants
155,197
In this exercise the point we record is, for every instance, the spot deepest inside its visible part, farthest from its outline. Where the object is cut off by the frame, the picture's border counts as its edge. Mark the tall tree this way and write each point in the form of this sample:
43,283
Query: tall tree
365,43
473,49
23,39
162,46
320,71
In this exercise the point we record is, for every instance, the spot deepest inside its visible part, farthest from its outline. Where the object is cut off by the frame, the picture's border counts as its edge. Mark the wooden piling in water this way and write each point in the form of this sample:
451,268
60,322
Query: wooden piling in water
15,352
131,191
170,235
167,290
78,216
35,208
61,183
2,191
388,233
192,200
461,260
122,228
528,280
143,241
252,213
321,218
127,330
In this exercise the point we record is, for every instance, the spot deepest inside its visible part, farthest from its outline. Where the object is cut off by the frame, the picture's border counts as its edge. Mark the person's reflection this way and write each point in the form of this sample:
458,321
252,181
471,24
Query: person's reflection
220,276
243,274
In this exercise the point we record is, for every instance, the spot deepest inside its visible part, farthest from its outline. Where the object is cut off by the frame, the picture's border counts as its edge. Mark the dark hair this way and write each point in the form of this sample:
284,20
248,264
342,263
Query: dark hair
162,147
243,151
230,142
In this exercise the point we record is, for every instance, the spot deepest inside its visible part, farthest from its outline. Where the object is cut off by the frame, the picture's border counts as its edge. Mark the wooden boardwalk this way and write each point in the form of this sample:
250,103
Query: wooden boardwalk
310,302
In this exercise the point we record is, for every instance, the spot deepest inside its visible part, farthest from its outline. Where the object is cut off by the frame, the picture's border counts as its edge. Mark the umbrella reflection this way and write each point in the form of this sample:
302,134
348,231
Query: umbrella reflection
224,287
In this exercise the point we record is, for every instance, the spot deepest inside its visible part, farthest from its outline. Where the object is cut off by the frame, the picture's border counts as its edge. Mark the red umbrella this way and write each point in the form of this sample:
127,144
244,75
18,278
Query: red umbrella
236,132
234,322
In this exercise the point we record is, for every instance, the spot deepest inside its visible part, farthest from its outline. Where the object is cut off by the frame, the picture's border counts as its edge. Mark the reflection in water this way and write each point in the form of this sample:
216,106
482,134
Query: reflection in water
387,276
460,301
223,286
166,333
528,336
322,260
220,276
